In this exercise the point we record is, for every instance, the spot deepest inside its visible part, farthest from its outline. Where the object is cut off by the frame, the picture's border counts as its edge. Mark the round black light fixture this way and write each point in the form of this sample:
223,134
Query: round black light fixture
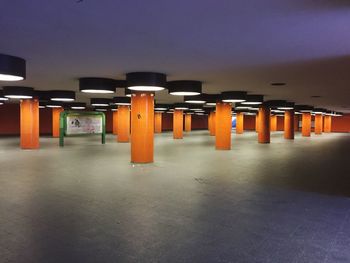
233,96
77,105
212,99
254,107
121,101
254,100
181,106
161,107
198,99
42,104
286,106
41,95
100,102
2,97
103,109
184,87
97,85
319,111
113,107
274,104
241,106
277,111
12,68
54,104
18,92
62,95
145,81
304,108
128,93
195,107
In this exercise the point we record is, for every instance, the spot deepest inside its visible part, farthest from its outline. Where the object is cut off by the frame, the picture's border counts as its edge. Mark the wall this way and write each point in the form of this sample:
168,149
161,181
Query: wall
249,123
199,122
341,124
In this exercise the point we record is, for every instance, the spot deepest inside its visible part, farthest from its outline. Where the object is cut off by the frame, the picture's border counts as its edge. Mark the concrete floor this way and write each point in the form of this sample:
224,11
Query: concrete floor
287,201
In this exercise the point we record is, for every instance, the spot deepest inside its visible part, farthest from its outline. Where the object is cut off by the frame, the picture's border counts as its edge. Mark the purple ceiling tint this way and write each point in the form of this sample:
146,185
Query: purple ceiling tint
242,45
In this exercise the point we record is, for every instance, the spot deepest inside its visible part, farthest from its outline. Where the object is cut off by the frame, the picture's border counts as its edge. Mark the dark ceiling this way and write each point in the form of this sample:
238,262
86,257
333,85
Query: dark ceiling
229,45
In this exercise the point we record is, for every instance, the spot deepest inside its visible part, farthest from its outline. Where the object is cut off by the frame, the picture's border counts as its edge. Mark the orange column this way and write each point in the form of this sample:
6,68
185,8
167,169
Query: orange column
115,122
264,125
289,124
123,123
213,123
306,124
223,126
327,124
257,122
56,121
318,123
188,122
178,124
296,122
158,122
142,127
273,122
29,124
239,122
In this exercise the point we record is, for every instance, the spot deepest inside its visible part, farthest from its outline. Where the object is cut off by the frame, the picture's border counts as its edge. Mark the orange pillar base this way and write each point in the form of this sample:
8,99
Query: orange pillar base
223,126
239,123
123,124
264,125
158,122
289,125
178,119
306,124
142,127
318,124
56,121
188,122
29,120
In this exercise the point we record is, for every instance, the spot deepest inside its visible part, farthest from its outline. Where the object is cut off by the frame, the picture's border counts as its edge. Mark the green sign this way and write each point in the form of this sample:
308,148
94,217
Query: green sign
74,123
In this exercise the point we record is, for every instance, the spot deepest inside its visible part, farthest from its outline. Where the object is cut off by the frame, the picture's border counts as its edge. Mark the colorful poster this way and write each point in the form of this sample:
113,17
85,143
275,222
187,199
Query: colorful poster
83,124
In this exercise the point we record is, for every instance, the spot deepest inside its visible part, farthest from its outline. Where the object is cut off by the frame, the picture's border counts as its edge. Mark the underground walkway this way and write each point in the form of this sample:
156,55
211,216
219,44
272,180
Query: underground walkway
280,202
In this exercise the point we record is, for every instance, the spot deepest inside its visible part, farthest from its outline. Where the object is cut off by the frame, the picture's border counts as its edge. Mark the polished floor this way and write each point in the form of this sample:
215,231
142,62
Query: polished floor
288,201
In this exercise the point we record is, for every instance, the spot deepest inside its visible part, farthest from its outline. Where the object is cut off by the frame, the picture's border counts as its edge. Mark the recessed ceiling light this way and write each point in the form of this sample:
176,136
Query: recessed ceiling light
278,84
